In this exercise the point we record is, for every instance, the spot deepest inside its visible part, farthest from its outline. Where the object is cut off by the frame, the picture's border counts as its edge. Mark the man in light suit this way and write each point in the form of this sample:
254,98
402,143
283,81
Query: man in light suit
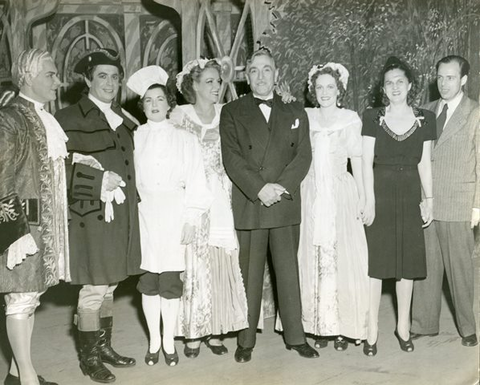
456,208
266,151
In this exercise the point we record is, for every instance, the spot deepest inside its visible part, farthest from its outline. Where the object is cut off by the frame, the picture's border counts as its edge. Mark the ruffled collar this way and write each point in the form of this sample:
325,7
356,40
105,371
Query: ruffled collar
189,110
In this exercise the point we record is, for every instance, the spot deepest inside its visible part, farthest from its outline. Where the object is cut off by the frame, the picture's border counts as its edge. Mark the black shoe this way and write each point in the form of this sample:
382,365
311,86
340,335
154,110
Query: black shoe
369,350
170,359
321,342
14,380
243,354
340,344
152,358
191,352
406,346
416,336
305,350
219,350
470,340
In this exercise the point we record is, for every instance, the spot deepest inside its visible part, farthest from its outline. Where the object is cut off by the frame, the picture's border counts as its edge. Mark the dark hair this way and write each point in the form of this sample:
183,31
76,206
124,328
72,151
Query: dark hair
262,51
391,64
89,70
462,62
333,73
187,83
171,100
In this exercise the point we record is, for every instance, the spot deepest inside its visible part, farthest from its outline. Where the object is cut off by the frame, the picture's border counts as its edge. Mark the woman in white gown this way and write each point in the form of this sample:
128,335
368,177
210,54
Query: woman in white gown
173,196
214,301
333,250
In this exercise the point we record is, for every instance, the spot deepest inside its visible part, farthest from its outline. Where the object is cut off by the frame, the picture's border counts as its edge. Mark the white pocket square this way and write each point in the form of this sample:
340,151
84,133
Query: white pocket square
295,124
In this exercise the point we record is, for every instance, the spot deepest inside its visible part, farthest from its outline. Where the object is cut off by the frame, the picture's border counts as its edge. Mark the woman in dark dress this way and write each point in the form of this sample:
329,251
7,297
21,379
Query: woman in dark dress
397,142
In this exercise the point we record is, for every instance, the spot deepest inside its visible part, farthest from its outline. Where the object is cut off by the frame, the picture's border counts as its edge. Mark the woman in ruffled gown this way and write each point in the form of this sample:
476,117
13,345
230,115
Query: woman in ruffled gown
214,301
333,250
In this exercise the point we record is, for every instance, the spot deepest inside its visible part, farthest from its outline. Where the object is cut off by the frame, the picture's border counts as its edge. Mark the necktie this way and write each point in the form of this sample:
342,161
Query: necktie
268,102
441,119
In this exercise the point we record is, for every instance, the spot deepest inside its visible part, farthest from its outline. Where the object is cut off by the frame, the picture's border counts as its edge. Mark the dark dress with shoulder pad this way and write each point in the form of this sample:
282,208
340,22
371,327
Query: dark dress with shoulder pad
395,239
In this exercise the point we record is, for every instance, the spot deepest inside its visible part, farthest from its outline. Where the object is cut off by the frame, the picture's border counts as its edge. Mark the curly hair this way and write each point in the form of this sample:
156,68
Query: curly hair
187,84
171,100
392,64
333,73
28,63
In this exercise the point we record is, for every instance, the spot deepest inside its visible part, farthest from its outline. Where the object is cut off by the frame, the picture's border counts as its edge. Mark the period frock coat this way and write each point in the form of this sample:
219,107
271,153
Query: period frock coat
101,252
26,173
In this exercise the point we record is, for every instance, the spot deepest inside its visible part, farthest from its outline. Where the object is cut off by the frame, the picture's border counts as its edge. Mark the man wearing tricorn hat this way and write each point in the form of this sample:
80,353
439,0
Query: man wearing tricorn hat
104,235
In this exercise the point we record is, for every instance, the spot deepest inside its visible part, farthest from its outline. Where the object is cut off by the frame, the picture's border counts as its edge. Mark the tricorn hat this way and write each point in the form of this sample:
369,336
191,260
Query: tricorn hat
96,57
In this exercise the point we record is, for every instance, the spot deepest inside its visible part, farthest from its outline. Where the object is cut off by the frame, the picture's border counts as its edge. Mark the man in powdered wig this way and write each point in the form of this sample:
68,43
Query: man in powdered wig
33,207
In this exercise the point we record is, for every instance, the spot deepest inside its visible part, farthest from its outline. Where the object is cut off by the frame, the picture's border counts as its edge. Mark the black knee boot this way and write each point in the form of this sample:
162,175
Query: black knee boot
90,361
107,354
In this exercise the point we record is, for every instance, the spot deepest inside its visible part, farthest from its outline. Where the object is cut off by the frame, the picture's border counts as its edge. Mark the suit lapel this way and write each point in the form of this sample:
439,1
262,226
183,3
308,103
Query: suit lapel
455,123
254,123
280,121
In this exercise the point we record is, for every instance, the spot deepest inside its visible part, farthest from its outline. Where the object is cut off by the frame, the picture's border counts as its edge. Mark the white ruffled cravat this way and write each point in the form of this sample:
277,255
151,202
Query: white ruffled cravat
56,137
114,120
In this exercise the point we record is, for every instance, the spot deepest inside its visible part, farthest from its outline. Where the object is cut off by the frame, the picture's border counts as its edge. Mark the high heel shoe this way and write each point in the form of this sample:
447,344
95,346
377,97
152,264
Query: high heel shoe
340,344
369,350
320,342
152,358
406,346
191,352
170,359
219,350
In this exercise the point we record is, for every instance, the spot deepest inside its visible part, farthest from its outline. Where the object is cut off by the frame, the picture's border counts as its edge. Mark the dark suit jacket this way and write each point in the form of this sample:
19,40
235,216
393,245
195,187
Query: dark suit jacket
256,152
454,162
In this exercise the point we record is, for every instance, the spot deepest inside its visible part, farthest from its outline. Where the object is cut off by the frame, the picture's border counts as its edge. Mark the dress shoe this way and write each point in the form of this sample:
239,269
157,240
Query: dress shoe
243,354
219,350
14,380
170,359
470,340
406,346
369,350
191,352
152,358
321,342
305,350
416,336
340,344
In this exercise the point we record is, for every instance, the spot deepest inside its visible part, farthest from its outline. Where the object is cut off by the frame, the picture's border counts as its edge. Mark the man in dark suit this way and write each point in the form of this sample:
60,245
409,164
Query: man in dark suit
266,151
456,209
104,227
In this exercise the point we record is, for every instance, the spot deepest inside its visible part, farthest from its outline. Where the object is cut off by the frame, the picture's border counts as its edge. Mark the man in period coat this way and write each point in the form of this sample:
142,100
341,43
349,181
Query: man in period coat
33,205
104,229
266,151
456,206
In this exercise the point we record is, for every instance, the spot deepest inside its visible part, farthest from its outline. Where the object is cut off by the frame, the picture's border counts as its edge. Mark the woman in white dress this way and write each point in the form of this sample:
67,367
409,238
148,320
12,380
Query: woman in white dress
333,250
173,196
214,301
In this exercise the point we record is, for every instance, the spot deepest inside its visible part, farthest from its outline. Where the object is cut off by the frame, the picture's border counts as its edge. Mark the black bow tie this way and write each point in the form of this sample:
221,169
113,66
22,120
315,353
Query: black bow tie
268,102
